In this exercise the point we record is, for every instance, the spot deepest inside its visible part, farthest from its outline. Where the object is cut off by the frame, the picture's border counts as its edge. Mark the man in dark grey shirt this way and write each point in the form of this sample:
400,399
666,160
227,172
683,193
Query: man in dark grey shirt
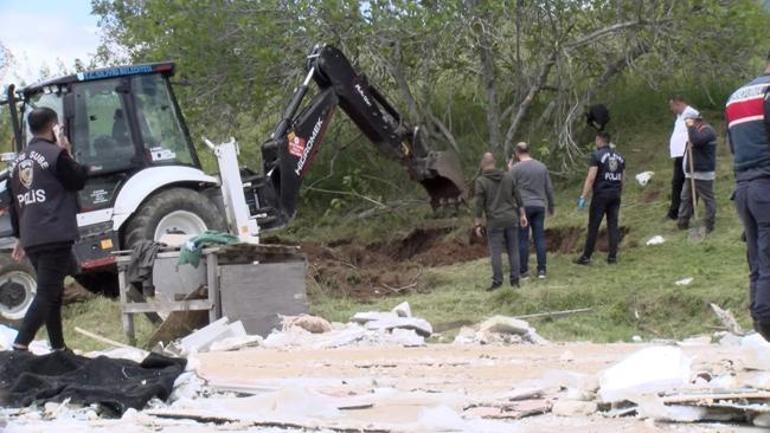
534,183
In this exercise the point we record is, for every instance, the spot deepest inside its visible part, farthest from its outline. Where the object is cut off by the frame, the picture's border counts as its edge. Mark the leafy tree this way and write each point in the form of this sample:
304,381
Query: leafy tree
475,73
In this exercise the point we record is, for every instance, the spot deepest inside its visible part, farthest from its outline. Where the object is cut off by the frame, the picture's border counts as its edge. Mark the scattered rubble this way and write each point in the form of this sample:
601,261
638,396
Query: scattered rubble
574,408
360,376
202,339
649,370
399,318
499,330
236,343
396,327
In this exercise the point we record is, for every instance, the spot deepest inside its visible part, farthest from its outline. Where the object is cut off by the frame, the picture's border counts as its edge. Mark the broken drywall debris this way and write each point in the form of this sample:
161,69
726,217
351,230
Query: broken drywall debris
500,330
342,336
724,338
399,318
403,310
421,326
574,408
188,386
646,371
236,343
202,339
755,352
363,318
404,337
653,407
762,420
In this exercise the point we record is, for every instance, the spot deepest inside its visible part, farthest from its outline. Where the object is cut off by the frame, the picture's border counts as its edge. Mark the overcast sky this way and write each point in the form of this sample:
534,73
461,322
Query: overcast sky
38,32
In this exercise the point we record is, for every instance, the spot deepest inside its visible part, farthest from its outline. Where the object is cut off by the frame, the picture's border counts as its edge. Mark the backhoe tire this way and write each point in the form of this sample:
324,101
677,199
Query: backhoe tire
18,286
175,210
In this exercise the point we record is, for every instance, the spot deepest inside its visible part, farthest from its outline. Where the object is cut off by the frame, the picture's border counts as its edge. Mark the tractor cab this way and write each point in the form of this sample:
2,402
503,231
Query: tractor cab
120,120
144,181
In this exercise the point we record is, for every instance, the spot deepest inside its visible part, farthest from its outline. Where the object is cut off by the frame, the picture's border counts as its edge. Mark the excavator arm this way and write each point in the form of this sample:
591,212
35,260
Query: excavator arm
290,151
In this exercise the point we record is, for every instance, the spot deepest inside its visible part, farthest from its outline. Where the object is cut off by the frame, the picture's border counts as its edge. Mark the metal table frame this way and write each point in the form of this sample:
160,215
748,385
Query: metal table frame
129,308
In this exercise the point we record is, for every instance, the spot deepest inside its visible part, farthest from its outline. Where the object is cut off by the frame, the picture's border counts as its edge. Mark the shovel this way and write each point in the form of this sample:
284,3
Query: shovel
697,230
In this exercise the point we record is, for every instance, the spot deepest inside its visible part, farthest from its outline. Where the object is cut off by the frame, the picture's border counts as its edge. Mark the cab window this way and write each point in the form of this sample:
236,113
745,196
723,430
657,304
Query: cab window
163,138
50,100
100,133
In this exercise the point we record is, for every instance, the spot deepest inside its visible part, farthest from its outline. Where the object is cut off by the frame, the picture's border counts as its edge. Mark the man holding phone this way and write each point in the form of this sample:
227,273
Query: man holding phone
44,184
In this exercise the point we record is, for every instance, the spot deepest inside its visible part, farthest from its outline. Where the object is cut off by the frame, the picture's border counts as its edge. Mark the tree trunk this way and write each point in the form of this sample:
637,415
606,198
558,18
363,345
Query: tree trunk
486,53
526,104
489,77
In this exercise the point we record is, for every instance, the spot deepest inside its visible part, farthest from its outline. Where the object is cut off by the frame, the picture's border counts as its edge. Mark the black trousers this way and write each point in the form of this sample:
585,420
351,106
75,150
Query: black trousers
677,183
52,264
501,239
601,205
752,201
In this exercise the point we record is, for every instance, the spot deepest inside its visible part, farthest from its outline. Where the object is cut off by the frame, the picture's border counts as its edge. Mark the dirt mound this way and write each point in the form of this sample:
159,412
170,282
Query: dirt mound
364,271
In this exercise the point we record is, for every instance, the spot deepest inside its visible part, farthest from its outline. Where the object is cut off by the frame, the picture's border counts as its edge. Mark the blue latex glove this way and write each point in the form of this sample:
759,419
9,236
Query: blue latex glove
581,203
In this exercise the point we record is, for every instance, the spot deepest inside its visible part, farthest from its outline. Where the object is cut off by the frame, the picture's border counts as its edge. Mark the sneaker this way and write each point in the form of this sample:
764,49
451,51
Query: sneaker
524,276
541,275
515,283
494,286
582,260
612,260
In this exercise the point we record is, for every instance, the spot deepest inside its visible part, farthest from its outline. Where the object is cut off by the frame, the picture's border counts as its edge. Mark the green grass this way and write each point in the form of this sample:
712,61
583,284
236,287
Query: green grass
636,297
100,316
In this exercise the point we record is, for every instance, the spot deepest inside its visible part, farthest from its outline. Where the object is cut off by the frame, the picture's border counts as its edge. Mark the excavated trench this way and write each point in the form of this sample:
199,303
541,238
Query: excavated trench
364,271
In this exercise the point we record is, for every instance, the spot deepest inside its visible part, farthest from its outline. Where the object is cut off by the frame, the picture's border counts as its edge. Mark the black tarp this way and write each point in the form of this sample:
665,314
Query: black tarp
114,384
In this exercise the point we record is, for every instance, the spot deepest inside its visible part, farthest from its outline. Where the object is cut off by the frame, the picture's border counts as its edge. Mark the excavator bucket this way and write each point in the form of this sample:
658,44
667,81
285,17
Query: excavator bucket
443,179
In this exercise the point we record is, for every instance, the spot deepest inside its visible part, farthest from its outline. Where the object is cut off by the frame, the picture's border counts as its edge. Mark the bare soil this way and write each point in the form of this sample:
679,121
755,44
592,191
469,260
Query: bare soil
364,271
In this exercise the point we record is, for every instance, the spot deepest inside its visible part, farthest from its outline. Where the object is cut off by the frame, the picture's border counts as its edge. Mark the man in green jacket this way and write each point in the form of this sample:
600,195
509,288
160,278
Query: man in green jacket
497,198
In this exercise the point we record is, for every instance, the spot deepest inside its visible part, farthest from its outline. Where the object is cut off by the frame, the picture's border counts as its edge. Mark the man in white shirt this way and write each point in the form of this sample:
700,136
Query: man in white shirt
677,146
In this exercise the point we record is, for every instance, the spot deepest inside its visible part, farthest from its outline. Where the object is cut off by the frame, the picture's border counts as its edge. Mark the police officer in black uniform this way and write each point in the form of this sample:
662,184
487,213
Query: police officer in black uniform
605,178
44,184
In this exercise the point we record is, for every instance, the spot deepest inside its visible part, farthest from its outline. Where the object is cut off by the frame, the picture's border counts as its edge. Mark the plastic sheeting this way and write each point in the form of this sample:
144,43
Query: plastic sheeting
114,384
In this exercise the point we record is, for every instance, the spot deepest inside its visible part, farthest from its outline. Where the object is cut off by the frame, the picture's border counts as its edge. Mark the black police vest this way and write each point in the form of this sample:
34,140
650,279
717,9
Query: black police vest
609,177
47,212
